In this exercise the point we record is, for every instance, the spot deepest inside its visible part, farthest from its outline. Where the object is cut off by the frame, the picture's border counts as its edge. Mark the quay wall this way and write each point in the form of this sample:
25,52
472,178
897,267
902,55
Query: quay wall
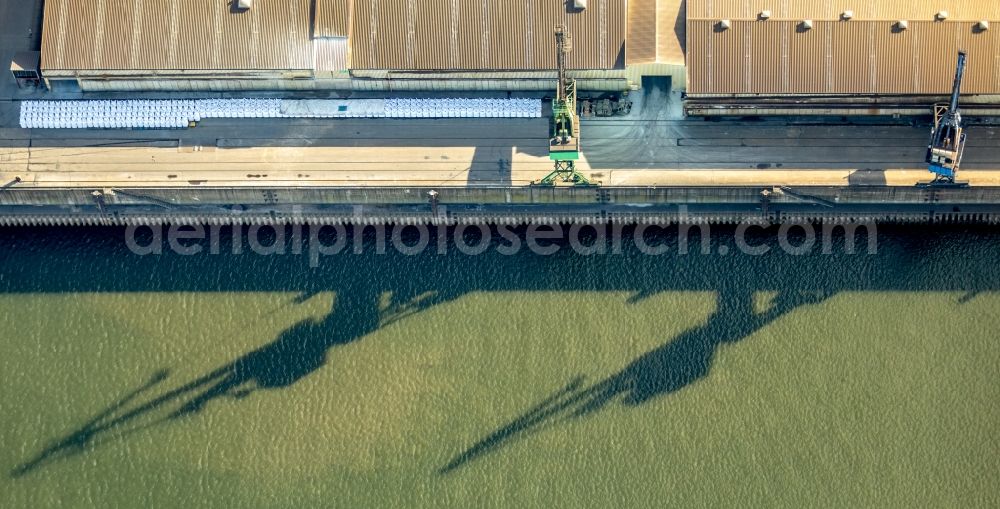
506,205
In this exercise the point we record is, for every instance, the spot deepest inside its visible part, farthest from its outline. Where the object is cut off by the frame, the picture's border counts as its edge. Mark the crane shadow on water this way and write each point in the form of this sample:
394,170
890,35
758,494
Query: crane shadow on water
299,351
667,369
373,291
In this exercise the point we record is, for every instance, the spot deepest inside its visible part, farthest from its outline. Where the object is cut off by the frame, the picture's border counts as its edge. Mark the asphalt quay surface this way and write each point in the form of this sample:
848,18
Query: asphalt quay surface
633,150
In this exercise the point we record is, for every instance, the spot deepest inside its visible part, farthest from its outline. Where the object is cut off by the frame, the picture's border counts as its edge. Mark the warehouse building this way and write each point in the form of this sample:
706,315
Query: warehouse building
764,56
731,56
334,44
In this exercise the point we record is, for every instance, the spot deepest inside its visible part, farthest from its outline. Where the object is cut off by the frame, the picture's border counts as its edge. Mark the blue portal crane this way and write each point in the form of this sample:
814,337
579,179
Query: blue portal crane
944,153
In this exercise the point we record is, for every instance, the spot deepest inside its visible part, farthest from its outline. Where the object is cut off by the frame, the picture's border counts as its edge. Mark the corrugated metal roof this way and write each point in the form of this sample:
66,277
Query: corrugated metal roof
641,43
176,34
878,10
484,34
671,21
834,57
331,54
332,18
656,32
179,35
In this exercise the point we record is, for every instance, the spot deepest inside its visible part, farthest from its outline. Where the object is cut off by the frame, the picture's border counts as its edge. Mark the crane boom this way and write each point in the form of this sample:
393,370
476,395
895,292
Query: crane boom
564,43
957,86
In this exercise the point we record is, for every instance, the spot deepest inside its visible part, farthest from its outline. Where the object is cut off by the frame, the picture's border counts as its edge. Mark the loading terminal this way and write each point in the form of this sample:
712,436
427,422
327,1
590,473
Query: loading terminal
784,112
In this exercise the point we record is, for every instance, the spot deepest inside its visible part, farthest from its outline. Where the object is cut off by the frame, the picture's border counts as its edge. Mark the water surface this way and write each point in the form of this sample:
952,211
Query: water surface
453,380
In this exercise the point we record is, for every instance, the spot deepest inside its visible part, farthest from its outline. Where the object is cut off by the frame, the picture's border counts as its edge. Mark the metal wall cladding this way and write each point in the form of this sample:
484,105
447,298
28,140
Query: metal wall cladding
851,58
80,35
119,27
115,28
379,29
234,37
331,54
834,57
671,27
807,57
176,35
468,31
642,32
884,10
286,32
190,51
506,47
700,65
51,34
361,36
483,34
892,60
544,19
655,32
391,31
432,35
983,65
332,18
596,42
614,22
148,48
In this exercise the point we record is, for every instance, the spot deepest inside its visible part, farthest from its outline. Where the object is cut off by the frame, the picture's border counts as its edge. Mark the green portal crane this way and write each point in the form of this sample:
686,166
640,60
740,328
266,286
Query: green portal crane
564,144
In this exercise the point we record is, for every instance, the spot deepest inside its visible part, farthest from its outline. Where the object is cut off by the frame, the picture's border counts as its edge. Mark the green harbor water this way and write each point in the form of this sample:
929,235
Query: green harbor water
448,380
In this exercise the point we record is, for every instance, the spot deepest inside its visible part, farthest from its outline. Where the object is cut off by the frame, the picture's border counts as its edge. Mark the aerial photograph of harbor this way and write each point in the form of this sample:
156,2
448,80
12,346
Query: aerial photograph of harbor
499,253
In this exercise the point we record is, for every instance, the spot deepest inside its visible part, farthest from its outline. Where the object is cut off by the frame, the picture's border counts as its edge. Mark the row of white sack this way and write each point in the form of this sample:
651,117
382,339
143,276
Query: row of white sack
193,110
106,123
240,108
178,113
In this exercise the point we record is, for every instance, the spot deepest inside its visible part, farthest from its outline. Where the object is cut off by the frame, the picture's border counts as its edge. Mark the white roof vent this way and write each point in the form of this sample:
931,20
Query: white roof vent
806,24
764,15
847,15
724,24
983,26
244,4
902,24
941,15
580,4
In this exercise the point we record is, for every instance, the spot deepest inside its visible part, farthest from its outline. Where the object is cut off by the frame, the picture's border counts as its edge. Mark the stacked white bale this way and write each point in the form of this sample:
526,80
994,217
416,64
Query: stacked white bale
106,114
178,113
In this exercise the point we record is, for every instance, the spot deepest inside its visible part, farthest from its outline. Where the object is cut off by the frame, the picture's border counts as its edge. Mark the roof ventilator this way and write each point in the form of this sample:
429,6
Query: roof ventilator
764,15
244,4
983,26
724,24
806,24
847,15
941,15
902,25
